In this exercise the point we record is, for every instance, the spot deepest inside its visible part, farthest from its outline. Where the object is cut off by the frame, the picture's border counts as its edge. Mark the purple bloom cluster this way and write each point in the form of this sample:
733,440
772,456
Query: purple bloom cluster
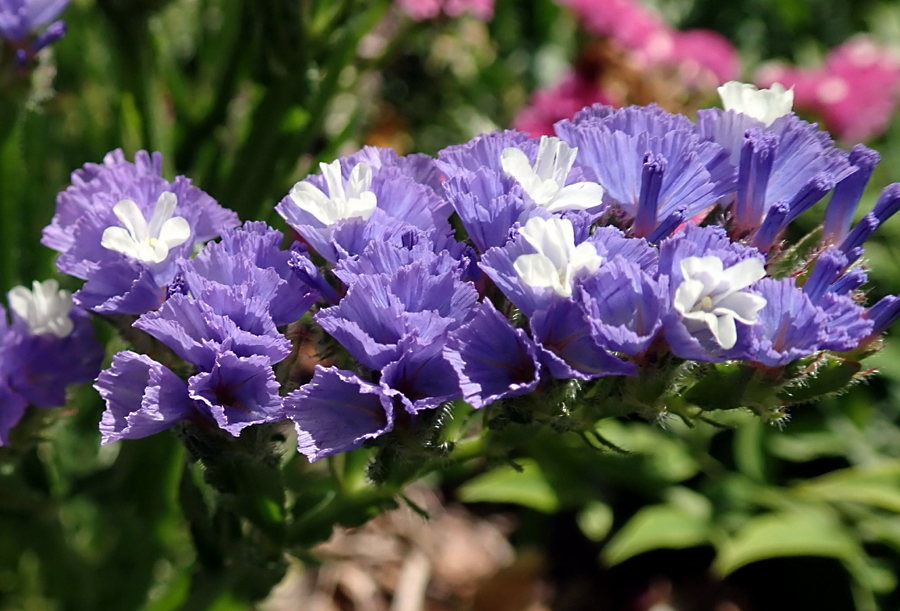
122,227
631,239
49,345
221,320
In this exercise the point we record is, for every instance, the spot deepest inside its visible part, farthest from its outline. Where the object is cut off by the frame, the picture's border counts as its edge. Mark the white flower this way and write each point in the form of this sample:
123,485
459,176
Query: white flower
710,296
557,260
356,201
766,105
545,183
147,242
45,308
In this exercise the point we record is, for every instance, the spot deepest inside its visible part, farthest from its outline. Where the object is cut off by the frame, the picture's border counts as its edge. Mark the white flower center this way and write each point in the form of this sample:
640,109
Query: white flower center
45,308
765,105
353,201
557,260
710,297
545,183
147,242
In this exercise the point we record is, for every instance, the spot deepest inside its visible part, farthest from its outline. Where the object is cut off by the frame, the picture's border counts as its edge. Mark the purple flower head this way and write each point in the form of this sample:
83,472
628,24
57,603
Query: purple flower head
541,265
20,19
625,306
491,359
218,320
418,166
122,227
49,345
483,152
789,327
712,310
142,398
389,257
251,257
847,194
651,164
332,211
787,160
237,392
884,313
337,412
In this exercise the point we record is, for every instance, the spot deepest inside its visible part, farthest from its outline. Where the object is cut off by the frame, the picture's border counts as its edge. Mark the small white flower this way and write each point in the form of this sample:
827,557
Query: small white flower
45,308
354,201
765,105
147,242
557,260
545,183
710,296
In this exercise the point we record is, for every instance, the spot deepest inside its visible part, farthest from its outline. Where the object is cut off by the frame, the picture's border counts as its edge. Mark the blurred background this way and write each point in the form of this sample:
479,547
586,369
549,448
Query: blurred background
246,97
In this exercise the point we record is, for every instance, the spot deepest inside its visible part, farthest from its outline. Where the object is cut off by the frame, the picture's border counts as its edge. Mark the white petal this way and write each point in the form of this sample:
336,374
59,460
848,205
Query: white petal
310,199
366,207
578,196
174,232
165,208
132,218
687,295
741,275
334,179
61,326
360,180
765,105
554,238
744,307
515,164
21,301
539,271
725,332
707,270
585,257
119,240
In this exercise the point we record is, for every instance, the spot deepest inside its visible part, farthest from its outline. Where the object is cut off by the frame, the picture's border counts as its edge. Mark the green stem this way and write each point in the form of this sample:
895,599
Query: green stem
10,199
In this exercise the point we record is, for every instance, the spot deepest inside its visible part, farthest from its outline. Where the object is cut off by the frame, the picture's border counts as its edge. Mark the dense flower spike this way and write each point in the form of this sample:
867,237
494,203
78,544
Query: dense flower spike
634,242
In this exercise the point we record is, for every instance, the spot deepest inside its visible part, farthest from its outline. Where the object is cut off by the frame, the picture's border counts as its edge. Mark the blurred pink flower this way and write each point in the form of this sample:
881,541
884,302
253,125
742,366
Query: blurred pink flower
855,93
421,10
560,102
702,55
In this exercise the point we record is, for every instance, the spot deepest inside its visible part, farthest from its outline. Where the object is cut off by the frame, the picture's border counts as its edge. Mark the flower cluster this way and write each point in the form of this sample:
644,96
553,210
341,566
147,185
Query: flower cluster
631,243
49,345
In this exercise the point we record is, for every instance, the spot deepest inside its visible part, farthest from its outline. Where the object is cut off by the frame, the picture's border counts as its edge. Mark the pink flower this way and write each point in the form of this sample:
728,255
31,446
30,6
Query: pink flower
421,10
556,103
699,50
855,93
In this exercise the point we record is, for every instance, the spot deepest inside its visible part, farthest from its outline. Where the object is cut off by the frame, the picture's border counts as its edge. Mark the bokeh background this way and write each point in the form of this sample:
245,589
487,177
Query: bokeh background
246,97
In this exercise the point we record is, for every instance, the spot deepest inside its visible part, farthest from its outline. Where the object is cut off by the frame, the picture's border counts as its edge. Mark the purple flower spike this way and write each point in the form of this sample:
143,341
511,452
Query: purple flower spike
848,193
492,359
142,398
237,392
337,411
757,156
828,267
884,313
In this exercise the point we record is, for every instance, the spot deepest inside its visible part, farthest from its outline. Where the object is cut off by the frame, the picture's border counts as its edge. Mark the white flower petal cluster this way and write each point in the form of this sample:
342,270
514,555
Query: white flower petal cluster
147,242
557,260
711,297
45,308
545,183
765,105
353,201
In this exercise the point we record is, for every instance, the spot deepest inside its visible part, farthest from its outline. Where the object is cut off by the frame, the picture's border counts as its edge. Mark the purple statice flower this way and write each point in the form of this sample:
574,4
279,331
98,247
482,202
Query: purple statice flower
848,193
498,180
398,323
789,327
884,313
337,411
886,206
251,257
122,228
780,159
539,272
49,345
21,22
712,309
653,165
353,203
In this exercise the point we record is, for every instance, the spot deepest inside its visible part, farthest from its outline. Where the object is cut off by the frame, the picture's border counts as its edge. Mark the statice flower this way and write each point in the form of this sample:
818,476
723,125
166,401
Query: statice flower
22,25
122,228
223,323
49,345
369,196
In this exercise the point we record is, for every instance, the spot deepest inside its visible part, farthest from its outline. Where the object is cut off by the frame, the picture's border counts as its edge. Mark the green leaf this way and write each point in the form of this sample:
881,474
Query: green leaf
722,387
775,535
595,520
528,487
877,486
667,526
831,376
